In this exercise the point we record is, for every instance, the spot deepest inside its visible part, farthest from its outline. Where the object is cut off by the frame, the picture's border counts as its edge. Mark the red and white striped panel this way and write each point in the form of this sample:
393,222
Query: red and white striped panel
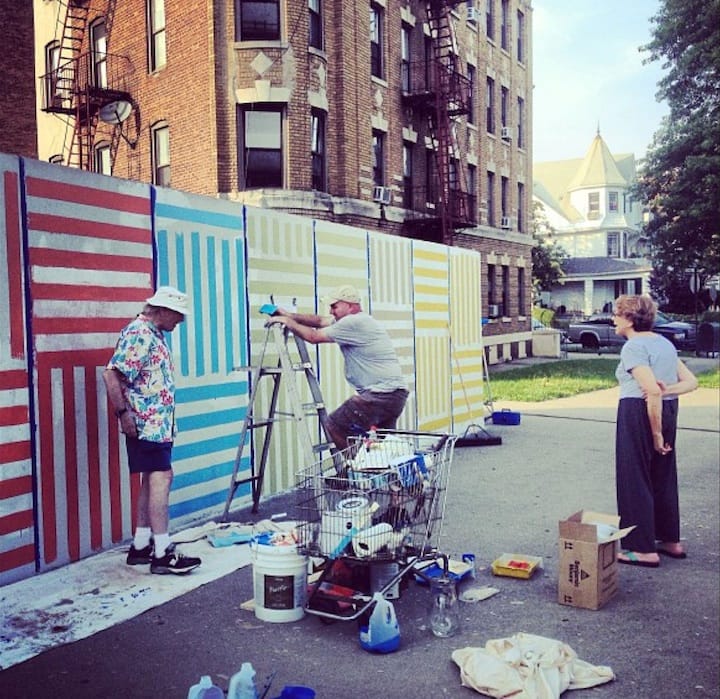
90,269
17,525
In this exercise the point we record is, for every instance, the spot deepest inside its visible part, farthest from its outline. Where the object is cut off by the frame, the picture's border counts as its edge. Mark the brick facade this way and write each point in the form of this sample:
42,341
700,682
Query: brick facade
210,78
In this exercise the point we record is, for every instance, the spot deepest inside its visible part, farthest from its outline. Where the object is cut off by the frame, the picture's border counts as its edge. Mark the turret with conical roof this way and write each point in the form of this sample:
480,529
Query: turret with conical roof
598,168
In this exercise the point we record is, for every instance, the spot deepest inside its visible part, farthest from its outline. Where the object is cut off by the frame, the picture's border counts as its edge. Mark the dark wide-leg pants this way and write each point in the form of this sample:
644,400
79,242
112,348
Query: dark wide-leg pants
646,482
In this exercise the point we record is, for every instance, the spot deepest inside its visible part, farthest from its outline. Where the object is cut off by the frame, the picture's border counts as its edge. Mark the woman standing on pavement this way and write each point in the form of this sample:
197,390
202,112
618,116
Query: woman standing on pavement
651,378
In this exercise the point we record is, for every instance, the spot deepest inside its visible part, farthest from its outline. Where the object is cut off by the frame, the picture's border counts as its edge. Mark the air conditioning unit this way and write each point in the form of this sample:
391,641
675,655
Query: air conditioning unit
494,310
506,133
382,195
473,14
506,222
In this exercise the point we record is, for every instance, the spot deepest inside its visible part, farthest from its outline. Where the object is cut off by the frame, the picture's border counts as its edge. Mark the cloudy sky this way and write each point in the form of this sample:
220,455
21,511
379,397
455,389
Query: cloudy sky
587,70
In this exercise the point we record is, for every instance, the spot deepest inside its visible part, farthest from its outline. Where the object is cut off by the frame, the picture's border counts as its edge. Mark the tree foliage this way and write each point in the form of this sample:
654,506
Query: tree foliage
547,255
679,180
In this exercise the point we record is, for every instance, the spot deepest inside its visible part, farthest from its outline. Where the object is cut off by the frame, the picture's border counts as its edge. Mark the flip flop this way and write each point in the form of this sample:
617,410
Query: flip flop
632,560
672,554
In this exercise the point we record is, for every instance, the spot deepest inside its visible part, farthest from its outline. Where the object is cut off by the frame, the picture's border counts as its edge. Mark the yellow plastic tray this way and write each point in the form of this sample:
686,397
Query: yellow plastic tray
516,565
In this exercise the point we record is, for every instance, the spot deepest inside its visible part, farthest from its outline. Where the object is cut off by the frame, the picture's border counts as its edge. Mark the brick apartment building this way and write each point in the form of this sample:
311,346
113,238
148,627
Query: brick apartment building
328,109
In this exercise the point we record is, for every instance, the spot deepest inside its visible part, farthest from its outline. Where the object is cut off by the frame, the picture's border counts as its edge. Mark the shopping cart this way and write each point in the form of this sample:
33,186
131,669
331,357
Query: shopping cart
370,514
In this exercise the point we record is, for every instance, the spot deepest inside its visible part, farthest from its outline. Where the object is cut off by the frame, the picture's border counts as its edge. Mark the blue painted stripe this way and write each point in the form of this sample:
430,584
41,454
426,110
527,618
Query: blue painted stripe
242,299
204,447
214,418
162,252
205,475
227,304
213,305
198,283
210,218
187,507
182,285
227,389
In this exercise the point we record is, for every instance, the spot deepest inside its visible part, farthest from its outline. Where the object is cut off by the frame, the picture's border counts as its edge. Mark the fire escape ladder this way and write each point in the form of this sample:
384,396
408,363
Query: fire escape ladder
451,101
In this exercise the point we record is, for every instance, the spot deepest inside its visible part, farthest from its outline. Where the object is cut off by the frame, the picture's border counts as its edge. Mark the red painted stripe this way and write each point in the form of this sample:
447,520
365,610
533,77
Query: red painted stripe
14,451
22,556
16,521
89,229
71,463
79,194
46,466
115,495
71,292
12,487
16,378
60,358
62,326
93,458
14,263
14,415
47,257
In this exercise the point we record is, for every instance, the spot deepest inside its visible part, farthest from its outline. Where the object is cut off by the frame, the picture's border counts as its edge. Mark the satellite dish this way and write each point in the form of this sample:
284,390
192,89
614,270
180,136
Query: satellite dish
115,112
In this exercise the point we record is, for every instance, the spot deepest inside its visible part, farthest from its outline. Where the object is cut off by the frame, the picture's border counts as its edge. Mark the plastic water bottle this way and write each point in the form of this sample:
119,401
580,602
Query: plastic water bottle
382,634
205,689
242,683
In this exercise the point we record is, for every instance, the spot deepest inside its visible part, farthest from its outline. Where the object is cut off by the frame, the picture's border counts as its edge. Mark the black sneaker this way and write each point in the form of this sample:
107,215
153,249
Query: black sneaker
173,562
139,557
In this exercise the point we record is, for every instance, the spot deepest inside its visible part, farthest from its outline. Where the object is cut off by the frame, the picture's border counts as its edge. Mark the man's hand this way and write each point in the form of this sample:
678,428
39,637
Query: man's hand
127,425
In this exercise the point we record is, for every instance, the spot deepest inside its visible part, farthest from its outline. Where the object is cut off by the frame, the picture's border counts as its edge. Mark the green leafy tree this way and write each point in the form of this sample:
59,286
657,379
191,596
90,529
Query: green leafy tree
679,180
548,256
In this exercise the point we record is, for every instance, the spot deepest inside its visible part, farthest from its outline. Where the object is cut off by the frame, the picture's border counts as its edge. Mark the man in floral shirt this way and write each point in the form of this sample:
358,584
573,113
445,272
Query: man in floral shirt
140,385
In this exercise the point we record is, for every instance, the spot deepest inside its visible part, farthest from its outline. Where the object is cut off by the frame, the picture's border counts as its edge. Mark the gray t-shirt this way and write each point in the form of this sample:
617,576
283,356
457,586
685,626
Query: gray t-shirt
371,363
654,351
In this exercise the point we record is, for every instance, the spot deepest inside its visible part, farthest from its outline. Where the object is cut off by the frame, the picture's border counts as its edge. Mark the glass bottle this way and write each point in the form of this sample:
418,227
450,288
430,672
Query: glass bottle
444,614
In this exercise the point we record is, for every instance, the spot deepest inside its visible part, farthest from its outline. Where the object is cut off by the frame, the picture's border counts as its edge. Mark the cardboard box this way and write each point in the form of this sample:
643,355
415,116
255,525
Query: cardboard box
588,567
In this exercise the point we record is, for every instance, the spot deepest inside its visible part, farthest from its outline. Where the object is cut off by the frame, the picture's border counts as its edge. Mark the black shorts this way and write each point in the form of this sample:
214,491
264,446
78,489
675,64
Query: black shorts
362,411
144,456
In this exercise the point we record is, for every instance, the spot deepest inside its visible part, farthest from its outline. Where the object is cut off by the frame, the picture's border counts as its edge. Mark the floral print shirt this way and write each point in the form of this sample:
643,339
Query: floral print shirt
143,357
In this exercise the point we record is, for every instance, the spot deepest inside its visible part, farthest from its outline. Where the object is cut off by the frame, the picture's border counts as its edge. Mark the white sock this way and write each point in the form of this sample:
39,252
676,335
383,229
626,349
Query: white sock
142,537
162,541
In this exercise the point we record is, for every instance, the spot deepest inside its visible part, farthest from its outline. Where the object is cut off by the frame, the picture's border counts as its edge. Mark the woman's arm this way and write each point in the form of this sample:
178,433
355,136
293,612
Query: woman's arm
686,382
653,400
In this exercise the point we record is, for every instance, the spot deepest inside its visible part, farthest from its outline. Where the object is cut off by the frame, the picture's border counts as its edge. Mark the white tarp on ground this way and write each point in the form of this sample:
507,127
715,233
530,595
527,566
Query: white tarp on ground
80,599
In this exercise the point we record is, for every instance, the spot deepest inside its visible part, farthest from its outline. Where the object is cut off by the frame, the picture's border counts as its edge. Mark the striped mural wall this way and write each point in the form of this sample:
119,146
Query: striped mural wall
89,242
83,252
17,522
201,251
430,269
465,328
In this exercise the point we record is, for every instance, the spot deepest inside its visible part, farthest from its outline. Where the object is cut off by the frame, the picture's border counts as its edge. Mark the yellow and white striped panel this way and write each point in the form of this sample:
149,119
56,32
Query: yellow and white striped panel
466,339
342,258
280,264
391,298
431,282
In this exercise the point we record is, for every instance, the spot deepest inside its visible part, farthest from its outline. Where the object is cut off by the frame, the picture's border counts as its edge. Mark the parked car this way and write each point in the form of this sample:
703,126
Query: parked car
599,331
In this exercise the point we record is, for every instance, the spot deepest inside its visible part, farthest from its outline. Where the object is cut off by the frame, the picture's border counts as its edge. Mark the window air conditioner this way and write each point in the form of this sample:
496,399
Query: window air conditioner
382,195
506,222
506,133
494,310
473,14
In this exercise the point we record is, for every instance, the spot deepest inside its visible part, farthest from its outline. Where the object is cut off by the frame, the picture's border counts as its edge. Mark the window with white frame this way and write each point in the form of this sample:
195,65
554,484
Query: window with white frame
101,158
613,244
613,202
405,43
98,53
504,100
593,205
490,19
53,86
157,49
472,87
521,207
261,153
490,194
317,149
377,31
316,24
521,122
378,155
257,20
505,196
505,25
520,37
490,105
160,153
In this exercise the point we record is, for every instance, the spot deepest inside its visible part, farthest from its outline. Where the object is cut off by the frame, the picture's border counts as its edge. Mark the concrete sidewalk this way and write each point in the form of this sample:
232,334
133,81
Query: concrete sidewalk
659,634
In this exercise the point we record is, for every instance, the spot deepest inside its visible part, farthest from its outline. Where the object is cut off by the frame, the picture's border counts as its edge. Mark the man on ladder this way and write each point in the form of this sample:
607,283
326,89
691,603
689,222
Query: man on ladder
371,363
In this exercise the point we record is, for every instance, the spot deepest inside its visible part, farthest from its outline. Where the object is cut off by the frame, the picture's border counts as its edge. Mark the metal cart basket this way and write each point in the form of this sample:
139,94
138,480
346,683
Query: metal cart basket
371,513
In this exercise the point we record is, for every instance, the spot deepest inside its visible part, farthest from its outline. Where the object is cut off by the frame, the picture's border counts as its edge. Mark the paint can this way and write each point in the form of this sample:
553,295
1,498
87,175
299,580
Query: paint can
279,582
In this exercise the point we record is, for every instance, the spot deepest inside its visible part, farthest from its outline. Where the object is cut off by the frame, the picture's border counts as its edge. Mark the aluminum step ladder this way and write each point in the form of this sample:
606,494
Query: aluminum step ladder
284,371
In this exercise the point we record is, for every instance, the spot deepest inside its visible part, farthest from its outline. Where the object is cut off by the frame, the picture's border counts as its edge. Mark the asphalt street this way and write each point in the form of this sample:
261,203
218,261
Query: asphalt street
659,634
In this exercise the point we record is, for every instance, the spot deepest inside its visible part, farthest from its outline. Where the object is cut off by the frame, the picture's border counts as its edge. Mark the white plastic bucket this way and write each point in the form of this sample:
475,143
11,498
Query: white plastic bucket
279,582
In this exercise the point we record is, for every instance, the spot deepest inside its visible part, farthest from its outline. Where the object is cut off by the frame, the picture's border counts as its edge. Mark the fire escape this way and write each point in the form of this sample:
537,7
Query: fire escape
435,90
90,87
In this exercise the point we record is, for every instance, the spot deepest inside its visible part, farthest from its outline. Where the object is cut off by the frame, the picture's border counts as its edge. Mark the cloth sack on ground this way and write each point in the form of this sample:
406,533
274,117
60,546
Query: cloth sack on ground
525,666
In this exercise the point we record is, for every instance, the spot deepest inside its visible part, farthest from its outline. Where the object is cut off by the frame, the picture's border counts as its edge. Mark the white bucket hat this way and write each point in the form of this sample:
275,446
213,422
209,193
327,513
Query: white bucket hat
170,297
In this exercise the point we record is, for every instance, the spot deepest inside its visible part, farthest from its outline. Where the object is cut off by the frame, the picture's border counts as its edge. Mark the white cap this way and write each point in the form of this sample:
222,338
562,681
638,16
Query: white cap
170,297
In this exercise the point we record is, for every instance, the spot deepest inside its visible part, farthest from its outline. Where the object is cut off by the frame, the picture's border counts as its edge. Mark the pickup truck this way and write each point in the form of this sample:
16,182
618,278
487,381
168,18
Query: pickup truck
599,331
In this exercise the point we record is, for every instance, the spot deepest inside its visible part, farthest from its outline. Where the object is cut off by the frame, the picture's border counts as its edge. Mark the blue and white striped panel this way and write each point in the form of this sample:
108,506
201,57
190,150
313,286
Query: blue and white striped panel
392,304
281,264
432,344
201,250
466,339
